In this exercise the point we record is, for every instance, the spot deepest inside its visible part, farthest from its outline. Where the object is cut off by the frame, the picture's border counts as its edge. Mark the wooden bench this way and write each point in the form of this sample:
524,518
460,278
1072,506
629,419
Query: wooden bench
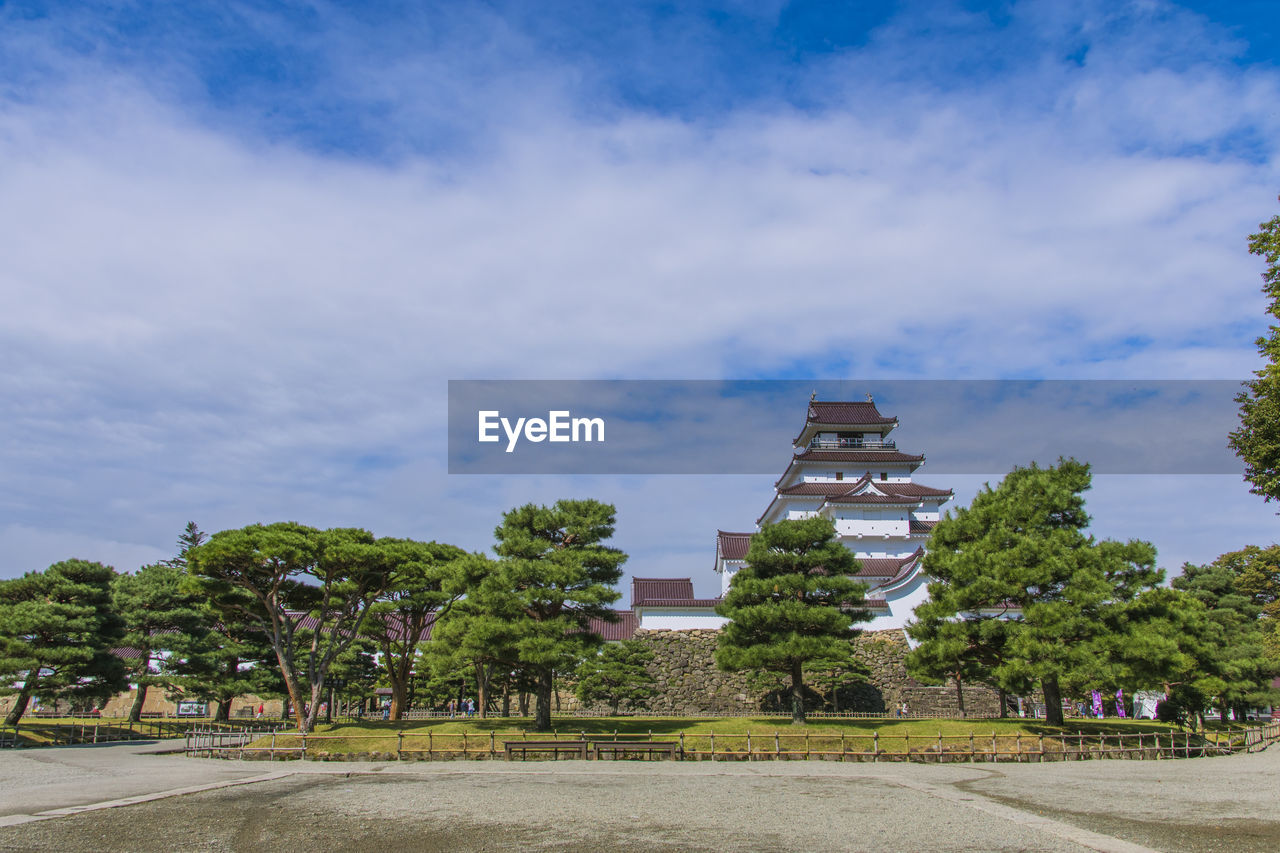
649,747
555,747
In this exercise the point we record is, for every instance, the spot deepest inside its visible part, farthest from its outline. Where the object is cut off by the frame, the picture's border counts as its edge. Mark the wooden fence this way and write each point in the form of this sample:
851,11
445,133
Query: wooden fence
69,732
757,746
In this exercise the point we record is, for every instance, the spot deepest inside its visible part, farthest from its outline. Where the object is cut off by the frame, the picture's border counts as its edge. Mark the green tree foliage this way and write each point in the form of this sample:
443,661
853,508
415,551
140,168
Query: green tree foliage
476,636
968,650
159,617
191,537
1018,554
308,590
430,578
1238,659
233,657
1257,441
792,605
553,576
1257,572
617,674
57,632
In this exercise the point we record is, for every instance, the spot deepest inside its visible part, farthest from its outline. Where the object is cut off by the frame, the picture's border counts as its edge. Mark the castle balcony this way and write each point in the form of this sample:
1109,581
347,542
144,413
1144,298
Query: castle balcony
852,444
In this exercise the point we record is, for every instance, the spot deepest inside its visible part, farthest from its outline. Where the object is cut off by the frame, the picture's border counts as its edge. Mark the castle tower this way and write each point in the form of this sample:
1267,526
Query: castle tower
845,467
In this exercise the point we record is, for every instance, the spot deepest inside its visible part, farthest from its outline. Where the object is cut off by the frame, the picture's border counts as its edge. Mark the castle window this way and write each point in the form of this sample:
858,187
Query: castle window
884,475
839,475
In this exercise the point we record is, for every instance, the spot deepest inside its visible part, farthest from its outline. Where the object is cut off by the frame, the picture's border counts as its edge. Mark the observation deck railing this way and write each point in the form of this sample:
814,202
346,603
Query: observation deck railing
852,444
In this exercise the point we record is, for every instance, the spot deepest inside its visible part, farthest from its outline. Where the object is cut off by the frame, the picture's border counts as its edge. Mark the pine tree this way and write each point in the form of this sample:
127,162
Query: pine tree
57,632
792,605
430,578
617,674
1257,441
309,591
157,615
1239,657
1018,553
554,575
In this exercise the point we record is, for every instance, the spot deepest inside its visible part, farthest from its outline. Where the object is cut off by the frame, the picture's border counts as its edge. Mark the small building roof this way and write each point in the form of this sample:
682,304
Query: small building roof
732,546
842,413
623,629
845,414
646,590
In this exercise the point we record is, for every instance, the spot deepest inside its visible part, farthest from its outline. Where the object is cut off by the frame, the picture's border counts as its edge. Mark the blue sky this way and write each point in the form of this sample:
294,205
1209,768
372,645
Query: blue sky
246,245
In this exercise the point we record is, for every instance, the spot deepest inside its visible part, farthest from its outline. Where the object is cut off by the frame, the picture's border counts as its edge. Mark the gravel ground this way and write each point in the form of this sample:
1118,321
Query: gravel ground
1198,804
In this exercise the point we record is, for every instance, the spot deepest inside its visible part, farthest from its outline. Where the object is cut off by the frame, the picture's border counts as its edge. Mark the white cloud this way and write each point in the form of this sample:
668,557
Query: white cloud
209,325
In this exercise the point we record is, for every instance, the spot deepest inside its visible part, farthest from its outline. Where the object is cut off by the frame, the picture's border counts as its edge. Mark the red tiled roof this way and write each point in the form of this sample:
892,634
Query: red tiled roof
917,526
644,590
877,567
913,490
682,602
732,546
836,487
623,629
846,413
875,604
894,500
886,567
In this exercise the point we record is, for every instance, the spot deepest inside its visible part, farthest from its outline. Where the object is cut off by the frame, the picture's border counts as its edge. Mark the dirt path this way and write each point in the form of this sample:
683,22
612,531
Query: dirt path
1122,806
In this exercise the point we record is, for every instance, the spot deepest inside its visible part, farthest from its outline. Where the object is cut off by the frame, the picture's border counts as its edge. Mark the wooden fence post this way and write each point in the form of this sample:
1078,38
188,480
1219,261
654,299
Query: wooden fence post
748,744
399,744
995,754
713,746
1042,747
492,748
875,746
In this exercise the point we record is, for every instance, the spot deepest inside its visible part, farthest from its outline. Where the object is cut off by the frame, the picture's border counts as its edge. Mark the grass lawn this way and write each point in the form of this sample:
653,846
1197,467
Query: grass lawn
727,735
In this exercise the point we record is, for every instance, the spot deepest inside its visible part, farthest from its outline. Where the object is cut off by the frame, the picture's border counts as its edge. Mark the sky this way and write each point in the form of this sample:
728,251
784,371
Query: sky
245,246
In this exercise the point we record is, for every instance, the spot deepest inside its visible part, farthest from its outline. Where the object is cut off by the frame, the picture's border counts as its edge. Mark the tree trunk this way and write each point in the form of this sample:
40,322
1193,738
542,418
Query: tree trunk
20,703
797,693
1004,703
960,697
523,703
506,699
542,705
139,699
482,689
284,708
307,720
1052,700
223,714
399,698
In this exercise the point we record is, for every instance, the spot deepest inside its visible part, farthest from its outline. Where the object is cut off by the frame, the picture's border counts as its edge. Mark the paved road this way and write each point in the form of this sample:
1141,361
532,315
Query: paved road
1196,805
